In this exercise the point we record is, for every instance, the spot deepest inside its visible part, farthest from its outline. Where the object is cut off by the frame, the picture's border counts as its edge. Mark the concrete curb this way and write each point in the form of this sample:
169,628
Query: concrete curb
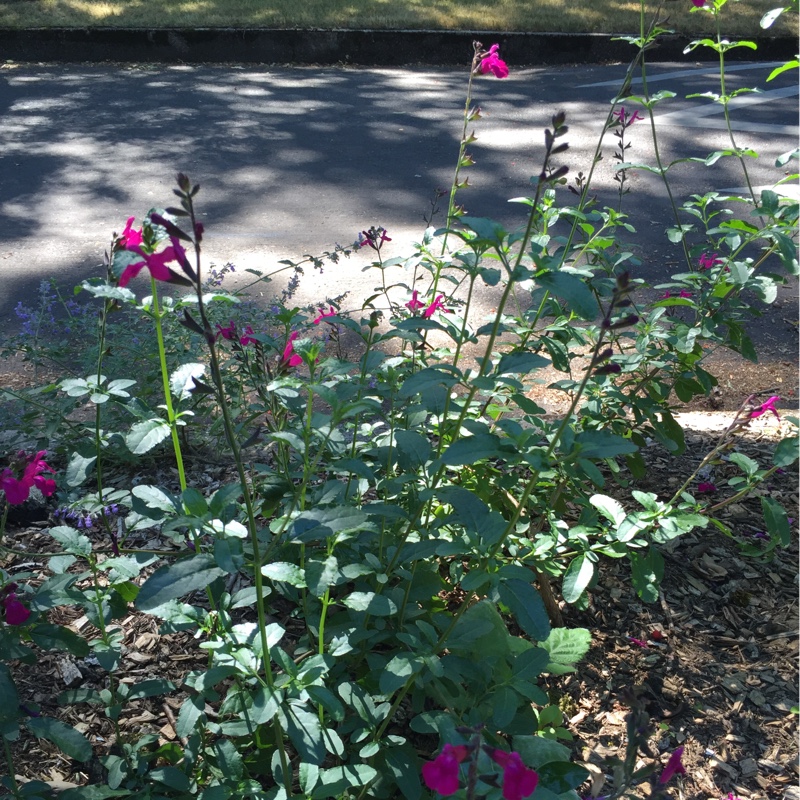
332,47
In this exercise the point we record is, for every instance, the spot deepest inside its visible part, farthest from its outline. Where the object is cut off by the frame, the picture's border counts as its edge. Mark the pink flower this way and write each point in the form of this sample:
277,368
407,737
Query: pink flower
707,261
435,306
698,3
322,315
18,489
14,612
518,780
131,238
290,358
374,237
766,406
443,773
706,487
155,262
227,333
414,304
492,62
626,118
684,293
246,338
673,765
638,642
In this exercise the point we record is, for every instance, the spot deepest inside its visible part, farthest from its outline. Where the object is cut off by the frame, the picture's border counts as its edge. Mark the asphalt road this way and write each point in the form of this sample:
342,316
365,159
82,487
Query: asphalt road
292,160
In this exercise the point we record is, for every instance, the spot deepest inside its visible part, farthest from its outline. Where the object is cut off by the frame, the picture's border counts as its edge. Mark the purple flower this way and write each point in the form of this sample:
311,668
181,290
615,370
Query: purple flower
673,765
626,118
706,487
443,773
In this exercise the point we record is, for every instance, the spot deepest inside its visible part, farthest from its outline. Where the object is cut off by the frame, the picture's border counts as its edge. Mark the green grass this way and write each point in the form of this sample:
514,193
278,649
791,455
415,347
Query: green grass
596,16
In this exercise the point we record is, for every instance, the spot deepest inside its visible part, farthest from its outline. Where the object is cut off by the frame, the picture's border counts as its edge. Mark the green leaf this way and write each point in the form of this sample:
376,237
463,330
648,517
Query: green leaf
9,699
285,572
194,502
144,436
320,575
504,703
488,230
786,452
536,751
647,572
572,290
566,646
776,520
561,776
376,604
428,378
228,759
65,737
191,711
527,607
471,449
92,793
71,540
181,382
577,577
413,449
602,444
172,777
266,703
305,733
78,469
320,524
154,498
175,580
334,781
610,508
521,363
531,663
56,637
396,673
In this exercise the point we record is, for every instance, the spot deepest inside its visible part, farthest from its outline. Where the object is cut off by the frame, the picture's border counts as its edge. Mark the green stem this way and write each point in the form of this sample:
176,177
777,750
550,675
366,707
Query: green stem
10,763
162,357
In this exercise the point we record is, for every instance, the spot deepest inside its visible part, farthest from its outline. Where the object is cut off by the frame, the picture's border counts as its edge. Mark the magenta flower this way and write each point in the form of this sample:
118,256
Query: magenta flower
13,611
443,773
436,305
323,314
685,293
766,406
131,239
706,487
227,333
673,765
626,118
290,358
246,338
638,642
492,62
707,261
155,262
374,237
415,304
518,780
16,489
698,3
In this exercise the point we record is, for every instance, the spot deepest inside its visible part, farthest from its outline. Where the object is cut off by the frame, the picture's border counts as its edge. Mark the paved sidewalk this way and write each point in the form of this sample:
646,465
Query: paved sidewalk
292,160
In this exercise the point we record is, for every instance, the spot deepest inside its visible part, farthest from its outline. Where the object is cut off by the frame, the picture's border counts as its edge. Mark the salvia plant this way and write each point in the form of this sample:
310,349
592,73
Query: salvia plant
376,583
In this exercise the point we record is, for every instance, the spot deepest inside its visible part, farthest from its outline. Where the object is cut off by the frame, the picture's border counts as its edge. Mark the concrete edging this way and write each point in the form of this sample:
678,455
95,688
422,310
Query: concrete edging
342,47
